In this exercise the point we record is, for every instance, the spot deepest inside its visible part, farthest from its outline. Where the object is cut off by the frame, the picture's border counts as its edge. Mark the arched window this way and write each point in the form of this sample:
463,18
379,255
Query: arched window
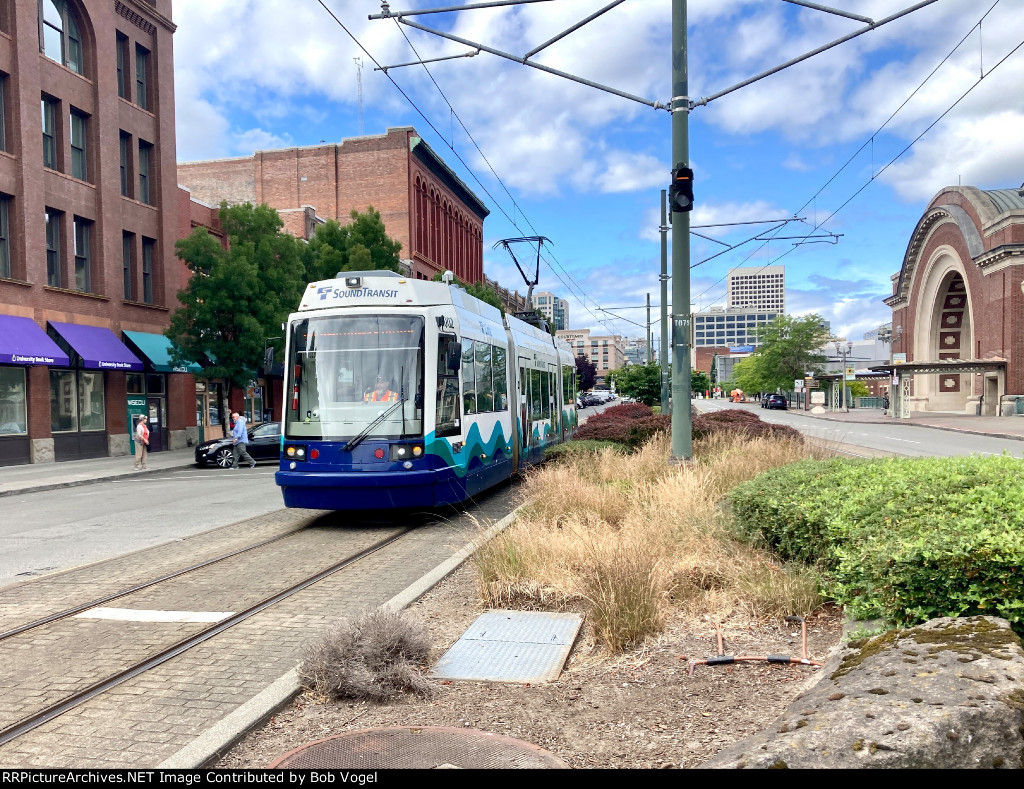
59,38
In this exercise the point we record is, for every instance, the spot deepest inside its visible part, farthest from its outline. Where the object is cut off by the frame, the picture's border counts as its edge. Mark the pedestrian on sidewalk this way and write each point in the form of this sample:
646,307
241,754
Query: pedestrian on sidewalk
141,441
240,438
885,404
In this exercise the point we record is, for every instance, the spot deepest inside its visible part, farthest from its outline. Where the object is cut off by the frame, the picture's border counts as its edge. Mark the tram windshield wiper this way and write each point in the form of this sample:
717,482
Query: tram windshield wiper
366,430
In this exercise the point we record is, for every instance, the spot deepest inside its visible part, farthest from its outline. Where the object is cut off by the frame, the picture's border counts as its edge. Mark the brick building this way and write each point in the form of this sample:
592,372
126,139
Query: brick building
957,305
88,220
424,205
607,352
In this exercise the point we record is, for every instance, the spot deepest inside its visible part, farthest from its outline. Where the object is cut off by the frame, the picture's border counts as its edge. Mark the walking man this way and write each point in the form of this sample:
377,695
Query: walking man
141,441
239,440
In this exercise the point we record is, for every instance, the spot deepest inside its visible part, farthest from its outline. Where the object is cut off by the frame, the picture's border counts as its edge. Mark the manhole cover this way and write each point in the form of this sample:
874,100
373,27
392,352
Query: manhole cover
418,748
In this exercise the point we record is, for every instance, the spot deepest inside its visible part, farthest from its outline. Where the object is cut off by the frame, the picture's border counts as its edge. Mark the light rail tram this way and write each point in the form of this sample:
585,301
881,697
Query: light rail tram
403,393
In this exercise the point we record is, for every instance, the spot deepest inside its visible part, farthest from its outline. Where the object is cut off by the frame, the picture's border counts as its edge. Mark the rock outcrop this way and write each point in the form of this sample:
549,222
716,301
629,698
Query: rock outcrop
947,694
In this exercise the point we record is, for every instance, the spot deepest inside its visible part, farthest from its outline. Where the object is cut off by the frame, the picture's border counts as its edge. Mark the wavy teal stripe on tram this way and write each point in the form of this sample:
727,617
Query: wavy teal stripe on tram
473,447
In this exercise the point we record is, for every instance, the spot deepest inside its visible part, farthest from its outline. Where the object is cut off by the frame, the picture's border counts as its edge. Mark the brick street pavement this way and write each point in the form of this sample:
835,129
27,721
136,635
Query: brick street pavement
145,720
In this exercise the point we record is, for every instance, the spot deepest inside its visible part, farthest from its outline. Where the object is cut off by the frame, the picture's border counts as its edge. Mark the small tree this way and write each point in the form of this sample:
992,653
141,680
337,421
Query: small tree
236,297
586,373
639,381
788,351
362,245
699,382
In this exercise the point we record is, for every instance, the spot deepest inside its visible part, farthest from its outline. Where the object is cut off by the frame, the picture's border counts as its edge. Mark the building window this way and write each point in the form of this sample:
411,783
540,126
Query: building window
148,248
141,71
126,182
50,133
53,262
122,66
59,38
126,263
79,161
145,152
3,112
83,260
5,236
76,401
13,404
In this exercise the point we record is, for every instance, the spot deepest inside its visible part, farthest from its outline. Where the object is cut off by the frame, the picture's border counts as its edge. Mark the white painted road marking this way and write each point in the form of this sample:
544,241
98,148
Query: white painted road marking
140,615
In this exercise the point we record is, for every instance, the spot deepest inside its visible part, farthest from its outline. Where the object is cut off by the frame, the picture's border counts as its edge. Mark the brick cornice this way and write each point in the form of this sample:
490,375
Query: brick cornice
139,20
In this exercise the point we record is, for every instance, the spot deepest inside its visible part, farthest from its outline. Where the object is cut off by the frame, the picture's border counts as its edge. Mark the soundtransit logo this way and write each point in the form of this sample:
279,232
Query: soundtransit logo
363,293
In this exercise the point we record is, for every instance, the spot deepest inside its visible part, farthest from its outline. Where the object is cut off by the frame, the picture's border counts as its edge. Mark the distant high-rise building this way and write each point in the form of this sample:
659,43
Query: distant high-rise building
757,288
553,308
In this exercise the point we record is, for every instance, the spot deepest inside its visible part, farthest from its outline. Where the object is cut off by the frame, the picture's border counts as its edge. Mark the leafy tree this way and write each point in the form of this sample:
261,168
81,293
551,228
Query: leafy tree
699,382
586,373
640,381
236,297
363,245
789,349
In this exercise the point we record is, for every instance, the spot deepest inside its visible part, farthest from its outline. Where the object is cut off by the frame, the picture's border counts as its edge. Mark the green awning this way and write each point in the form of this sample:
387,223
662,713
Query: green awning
157,350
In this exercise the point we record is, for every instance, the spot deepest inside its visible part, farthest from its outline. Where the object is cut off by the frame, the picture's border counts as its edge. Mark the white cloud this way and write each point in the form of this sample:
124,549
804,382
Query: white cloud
253,140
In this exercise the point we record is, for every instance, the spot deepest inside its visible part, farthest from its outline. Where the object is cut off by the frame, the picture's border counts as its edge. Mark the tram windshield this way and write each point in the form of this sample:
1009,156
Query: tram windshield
347,371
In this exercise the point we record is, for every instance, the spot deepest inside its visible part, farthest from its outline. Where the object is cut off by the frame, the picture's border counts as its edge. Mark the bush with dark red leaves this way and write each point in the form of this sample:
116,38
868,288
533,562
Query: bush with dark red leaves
613,424
749,424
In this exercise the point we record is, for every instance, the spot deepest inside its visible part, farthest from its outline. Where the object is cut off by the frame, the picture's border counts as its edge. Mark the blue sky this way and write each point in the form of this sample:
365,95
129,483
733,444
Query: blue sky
585,168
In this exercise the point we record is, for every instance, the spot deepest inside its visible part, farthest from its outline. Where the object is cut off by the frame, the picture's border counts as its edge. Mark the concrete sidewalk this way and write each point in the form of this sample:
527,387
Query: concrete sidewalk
1011,427
35,477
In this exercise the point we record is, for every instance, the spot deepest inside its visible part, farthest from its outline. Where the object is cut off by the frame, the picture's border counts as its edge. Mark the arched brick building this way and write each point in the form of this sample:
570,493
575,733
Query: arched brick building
958,305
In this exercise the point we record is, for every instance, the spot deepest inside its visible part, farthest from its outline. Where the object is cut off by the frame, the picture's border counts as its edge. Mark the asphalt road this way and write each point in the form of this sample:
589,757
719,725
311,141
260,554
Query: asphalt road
59,529
909,440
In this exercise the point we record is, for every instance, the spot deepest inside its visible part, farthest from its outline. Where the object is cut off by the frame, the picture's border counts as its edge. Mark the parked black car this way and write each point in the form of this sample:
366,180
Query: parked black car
776,401
264,444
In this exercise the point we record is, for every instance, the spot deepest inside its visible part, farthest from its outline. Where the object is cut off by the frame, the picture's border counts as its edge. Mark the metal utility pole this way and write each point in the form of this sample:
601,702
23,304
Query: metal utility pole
664,305
682,424
359,91
650,340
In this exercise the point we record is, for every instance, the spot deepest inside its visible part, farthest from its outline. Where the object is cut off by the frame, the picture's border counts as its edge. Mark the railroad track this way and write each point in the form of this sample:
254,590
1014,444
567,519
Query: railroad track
54,709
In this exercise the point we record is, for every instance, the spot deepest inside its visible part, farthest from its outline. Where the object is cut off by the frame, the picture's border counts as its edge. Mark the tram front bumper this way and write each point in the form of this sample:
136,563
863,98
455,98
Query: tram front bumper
361,490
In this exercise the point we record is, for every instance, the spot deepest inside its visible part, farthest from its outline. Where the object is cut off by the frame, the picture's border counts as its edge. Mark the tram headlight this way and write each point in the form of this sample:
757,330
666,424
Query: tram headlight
295,452
400,452
407,464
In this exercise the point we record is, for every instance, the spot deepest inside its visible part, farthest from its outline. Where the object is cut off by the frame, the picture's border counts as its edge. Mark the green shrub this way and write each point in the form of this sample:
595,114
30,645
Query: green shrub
908,539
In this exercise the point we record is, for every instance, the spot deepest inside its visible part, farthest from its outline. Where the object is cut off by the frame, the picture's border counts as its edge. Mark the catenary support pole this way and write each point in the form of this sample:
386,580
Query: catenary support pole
665,358
649,354
682,428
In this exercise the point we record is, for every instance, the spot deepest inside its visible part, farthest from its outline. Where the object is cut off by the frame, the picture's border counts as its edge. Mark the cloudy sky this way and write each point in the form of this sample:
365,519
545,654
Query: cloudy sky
585,168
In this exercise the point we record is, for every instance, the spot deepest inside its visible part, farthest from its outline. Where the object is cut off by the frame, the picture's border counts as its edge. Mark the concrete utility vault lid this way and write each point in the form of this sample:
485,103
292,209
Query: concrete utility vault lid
418,748
511,646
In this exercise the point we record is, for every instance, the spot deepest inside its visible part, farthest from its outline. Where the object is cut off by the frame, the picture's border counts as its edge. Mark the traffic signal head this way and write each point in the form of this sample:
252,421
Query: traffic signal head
681,191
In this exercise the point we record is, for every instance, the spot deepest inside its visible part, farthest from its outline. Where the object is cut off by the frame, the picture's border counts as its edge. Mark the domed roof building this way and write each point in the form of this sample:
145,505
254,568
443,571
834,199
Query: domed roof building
958,305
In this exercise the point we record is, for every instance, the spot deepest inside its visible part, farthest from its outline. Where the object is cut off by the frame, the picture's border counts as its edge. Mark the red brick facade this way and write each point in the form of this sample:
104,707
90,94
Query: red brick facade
958,296
423,204
102,165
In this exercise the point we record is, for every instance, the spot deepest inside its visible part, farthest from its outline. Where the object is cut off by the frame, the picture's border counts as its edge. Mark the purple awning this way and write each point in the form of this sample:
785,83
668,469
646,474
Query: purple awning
98,347
23,342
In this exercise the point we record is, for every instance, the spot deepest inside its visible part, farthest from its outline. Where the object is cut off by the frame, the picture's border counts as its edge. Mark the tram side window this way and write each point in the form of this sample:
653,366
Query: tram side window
468,378
447,416
536,400
500,379
484,393
568,395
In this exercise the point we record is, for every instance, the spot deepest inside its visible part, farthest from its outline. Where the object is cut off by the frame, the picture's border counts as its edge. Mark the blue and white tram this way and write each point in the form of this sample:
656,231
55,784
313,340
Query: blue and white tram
406,393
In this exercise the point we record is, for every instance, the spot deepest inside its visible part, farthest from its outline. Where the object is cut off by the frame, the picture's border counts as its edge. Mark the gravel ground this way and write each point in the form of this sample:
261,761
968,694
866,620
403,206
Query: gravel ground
639,710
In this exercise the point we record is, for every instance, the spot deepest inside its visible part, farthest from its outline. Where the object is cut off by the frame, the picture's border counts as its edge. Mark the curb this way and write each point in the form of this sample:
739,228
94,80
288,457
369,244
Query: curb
962,431
216,740
74,483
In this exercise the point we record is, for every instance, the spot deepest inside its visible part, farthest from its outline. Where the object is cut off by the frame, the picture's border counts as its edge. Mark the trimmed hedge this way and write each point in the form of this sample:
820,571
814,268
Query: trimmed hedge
630,424
908,539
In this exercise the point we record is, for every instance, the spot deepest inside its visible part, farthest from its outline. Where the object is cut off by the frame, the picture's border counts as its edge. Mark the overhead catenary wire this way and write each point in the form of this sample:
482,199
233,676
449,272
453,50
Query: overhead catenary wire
581,295
813,199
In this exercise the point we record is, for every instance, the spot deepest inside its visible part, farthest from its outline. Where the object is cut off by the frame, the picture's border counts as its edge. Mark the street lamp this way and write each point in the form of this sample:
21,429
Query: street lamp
842,352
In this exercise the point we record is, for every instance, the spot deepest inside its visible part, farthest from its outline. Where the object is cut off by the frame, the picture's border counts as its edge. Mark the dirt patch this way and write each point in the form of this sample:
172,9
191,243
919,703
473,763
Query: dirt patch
641,710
